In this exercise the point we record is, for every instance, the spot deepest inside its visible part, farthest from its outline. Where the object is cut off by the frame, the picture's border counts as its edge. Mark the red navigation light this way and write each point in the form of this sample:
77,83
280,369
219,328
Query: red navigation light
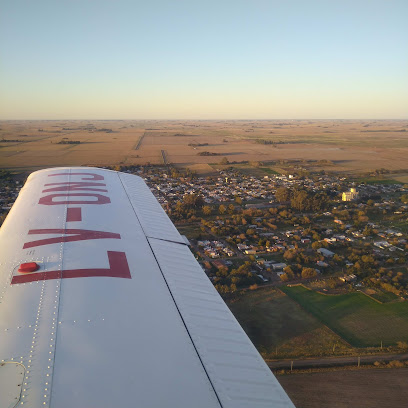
28,267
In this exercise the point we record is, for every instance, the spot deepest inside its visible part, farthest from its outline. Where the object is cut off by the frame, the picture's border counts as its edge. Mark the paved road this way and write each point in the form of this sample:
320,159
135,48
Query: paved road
335,361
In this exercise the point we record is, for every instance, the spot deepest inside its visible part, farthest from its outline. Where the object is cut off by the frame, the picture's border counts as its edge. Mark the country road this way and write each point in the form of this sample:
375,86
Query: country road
334,361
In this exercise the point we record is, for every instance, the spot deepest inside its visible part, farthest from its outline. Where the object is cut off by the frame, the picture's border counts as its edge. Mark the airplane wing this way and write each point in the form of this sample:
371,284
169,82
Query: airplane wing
102,304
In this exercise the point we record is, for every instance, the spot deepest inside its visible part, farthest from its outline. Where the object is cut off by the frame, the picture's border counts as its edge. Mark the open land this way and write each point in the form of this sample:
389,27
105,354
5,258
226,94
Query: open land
294,321
346,146
358,319
348,389
279,327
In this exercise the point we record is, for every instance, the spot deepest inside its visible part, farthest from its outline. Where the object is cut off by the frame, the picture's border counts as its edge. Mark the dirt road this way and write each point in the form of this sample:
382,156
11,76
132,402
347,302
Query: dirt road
335,361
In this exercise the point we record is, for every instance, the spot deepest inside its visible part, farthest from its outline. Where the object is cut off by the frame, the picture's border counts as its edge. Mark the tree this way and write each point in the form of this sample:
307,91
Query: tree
367,259
289,271
224,161
284,277
207,210
222,209
300,200
193,200
282,194
222,289
308,273
290,254
316,245
231,209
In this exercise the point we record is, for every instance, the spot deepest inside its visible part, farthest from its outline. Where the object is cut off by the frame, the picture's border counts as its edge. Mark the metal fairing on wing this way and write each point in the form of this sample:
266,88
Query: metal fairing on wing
102,304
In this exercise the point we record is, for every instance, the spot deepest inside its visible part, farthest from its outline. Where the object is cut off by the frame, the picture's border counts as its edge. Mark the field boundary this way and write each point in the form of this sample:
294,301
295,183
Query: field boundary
315,317
342,313
375,300
323,321
329,362
138,144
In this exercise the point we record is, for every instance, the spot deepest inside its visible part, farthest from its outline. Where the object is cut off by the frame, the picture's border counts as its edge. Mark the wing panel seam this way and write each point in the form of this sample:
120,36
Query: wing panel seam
171,294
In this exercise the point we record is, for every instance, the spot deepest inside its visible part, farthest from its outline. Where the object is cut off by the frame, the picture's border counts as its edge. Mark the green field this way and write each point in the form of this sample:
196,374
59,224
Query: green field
269,171
355,317
384,297
274,322
369,180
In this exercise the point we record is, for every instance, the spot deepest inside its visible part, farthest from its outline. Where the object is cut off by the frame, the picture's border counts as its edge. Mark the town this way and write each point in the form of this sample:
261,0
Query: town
247,231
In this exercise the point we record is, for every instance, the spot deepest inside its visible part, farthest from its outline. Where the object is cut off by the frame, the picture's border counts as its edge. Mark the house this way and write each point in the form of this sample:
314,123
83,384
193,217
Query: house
262,277
325,252
348,278
279,266
382,244
219,264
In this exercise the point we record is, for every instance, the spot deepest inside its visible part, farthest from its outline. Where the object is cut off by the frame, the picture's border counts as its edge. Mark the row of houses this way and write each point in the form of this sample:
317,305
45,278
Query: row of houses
215,249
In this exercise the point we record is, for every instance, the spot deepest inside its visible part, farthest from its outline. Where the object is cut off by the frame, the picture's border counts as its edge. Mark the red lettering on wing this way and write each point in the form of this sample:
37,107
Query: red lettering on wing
49,199
70,236
74,214
74,186
93,176
118,268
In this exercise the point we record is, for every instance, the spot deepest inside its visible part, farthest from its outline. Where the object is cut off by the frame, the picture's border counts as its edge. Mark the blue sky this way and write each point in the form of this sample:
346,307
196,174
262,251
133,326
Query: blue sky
107,59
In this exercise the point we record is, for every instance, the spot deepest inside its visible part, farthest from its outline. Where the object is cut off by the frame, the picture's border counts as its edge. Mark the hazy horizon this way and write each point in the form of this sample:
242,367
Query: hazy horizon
196,60
199,119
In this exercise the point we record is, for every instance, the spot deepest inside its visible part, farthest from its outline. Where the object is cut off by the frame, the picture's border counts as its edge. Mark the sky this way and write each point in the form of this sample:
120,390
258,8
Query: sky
203,59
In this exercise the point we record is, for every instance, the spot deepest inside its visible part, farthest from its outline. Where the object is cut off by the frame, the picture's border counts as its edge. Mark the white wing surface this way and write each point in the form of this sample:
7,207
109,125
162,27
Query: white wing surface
103,305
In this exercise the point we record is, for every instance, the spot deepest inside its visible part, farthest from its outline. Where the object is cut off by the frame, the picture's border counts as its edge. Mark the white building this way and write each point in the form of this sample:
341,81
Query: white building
350,195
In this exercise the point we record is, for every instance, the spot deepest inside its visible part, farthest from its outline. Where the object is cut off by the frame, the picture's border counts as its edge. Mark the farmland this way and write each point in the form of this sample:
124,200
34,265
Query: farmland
355,317
342,389
349,146
280,328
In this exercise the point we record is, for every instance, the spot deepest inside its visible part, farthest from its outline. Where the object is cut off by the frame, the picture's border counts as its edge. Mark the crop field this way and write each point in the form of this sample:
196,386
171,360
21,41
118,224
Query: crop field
348,146
280,328
359,320
344,389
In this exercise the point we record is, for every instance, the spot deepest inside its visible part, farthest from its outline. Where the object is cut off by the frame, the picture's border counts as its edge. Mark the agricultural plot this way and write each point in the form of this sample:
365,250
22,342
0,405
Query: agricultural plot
280,328
345,389
351,147
359,320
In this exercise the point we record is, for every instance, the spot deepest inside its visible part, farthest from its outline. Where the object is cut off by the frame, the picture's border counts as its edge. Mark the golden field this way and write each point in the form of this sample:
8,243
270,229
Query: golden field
350,146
